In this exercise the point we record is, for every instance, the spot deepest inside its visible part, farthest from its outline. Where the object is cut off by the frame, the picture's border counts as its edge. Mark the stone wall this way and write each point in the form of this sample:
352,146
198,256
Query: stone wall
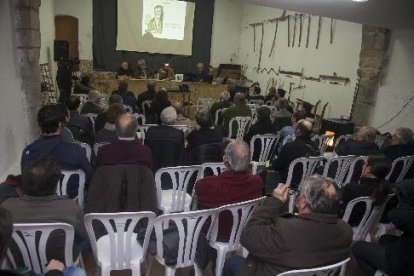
374,47
27,25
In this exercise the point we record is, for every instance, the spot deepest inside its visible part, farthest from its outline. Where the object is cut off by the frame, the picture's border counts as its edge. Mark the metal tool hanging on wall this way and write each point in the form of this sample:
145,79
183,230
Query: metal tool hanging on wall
332,30
319,32
300,28
288,19
276,20
294,29
308,33
261,49
254,34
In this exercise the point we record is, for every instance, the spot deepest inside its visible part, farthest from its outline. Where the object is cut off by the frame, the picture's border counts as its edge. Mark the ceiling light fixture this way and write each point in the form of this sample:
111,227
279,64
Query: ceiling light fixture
360,0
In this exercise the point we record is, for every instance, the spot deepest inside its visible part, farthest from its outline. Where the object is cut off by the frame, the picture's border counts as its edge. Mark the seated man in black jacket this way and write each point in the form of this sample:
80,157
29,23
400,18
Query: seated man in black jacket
363,144
402,144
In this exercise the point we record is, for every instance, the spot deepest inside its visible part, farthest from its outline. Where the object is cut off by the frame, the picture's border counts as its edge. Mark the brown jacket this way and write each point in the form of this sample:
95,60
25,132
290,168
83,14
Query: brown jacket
121,188
278,243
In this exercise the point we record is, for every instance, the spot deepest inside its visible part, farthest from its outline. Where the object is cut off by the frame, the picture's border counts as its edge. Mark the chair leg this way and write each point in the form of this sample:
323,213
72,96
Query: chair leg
291,203
197,270
136,270
169,271
221,258
105,271
149,262
245,252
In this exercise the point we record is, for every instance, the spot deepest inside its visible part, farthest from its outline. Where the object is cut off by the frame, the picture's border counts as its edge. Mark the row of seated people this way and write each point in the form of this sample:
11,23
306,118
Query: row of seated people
318,205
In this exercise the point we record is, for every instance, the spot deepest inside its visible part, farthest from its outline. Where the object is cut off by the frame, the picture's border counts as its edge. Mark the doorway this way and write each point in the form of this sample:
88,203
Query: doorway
67,28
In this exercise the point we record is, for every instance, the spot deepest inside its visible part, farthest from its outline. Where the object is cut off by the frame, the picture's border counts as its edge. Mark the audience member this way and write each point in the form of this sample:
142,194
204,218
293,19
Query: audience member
83,86
124,71
302,146
281,95
307,109
166,72
255,95
127,149
165,141
101,118
53,268
231,88
271,95
281,117
69,155
263,124
223,103
128,98
159,103
93,103
148,95
108,133
372,183
402,144
142,71
181,120
278,242
39,203
200,75
363,144
79,125
207,134
392,255
289,130
240,108
234,185
66,133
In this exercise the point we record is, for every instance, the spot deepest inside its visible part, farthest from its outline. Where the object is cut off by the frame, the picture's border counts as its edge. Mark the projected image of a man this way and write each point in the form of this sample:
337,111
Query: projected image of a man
155,24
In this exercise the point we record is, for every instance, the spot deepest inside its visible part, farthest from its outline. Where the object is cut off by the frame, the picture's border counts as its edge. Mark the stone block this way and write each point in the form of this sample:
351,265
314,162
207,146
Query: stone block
361,113
35,4
367,92
26,38
27,19
371,62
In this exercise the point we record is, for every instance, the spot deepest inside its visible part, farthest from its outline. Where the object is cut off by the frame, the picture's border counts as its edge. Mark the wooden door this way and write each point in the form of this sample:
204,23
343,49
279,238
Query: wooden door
67,28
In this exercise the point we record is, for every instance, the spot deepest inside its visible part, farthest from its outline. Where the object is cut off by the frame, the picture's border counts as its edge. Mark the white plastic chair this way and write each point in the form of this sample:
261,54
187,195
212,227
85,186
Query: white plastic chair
140,116
217,115
97,146
343,138
267,142
380,273
62,187
268,103
184,128
288,139
255,101
33,251
92,118
143,130
119,249
309,165
319,271
356,163
407,163
323,141
216,168
189,225
342,167
176,199
242,123
88,150
241,213
349,208
146,105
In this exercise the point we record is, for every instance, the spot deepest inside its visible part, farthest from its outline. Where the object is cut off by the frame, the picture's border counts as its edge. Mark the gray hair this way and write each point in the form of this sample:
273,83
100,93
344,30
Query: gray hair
315,190
367,134
93,96
126,126
178,107
224,96
168,116
404,134
238,155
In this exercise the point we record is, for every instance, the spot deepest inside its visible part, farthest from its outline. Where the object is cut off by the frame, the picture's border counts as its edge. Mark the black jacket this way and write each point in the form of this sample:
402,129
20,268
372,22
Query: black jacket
204,136
358,148
145,96
395,151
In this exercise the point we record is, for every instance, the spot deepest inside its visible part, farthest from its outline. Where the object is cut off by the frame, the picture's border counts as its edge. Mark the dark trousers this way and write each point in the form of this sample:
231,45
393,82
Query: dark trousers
371,257
232,265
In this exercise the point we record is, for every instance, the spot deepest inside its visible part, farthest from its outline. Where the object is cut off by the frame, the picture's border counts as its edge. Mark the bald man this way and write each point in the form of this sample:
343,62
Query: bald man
127,150
362,144
200,75
93,104
302,146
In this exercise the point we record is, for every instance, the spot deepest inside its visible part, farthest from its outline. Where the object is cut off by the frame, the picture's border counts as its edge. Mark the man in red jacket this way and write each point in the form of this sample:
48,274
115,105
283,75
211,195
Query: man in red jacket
234,185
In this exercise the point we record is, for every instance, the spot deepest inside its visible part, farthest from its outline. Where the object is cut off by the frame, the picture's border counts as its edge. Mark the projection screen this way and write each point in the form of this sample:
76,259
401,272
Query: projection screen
155,26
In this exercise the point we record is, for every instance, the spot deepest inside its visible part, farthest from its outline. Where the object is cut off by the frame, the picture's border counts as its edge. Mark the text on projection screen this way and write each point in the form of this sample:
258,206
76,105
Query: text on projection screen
155,26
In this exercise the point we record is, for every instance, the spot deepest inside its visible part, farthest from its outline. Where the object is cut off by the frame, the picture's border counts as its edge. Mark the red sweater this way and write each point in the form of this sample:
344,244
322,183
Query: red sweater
227,188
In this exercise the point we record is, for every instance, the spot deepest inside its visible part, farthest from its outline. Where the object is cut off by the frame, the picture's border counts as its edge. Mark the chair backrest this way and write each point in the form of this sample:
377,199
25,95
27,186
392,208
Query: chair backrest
146,105
318,271
322,141
62,187
355,169
309,165
373,219
88,150
96,147
121,235
269,102
348,211
216,168
180,178
128,108
287,139
140,118
242,125
338,167
189,225
217,115
267,143
92,118
184,128
343,138
206,153
402,164
241,213
31,240
144,128
255,101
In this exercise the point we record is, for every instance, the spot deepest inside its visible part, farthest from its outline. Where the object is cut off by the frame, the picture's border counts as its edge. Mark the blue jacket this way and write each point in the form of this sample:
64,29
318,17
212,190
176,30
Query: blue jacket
70,156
